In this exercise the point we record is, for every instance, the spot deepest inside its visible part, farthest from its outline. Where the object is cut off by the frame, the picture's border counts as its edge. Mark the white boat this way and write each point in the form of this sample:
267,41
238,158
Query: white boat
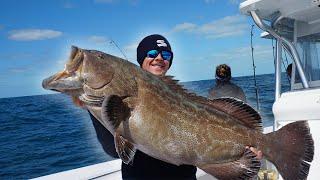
110,170
295,25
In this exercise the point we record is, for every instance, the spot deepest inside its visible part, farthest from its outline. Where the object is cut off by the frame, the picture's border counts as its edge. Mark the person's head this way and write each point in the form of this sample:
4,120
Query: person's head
223,73
154,54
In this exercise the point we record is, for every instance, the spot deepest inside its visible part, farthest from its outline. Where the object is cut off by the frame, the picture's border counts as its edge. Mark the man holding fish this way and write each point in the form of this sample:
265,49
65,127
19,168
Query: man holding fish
155,56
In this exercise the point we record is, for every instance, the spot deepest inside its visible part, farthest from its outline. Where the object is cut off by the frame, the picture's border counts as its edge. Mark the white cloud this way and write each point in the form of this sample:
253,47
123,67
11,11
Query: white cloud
261,52
225,27
189,27
33,34
98,39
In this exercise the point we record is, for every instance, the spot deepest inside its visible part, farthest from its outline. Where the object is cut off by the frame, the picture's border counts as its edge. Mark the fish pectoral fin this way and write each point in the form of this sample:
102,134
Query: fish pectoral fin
124,148
114,111
244,168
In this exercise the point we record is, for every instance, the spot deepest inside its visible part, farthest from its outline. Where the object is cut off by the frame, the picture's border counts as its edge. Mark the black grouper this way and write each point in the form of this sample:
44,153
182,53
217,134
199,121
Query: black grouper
160,118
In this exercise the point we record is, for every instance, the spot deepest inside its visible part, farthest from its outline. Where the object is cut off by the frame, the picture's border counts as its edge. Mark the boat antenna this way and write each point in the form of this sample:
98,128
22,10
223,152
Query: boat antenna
115,44
254,71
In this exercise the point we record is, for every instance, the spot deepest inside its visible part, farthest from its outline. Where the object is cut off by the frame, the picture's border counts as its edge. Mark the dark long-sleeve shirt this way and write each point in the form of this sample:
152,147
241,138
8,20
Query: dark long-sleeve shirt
144,166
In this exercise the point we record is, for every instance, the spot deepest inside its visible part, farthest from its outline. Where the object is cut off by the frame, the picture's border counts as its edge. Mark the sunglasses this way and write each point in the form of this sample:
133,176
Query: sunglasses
166,55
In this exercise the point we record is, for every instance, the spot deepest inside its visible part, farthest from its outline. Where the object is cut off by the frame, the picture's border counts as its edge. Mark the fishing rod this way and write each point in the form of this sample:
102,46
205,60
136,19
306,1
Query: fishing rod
114,43
254,71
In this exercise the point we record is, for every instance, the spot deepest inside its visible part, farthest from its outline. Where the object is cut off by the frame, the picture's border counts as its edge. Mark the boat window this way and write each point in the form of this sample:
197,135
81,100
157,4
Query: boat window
308,48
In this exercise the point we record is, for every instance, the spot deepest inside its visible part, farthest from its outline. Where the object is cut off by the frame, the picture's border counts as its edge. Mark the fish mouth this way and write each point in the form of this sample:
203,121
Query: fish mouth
70,78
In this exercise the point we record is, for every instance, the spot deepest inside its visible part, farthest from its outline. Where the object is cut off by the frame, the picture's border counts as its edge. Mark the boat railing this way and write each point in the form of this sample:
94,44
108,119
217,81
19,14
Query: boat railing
281,42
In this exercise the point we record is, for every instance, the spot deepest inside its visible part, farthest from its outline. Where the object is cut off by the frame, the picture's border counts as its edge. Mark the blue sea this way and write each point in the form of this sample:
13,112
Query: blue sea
45,134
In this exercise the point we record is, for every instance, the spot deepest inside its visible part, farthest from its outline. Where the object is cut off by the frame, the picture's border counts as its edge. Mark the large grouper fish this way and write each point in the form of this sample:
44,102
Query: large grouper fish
158,117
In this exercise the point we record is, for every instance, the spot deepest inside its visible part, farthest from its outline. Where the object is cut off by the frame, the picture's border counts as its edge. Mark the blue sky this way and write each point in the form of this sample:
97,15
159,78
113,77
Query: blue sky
36,36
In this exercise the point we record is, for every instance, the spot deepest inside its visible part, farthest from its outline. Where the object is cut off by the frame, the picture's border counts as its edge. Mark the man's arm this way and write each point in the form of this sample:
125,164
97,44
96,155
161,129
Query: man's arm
105,138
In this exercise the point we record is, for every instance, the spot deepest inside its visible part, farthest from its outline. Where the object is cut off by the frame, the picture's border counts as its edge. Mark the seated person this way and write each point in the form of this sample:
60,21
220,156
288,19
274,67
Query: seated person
289,70
224,87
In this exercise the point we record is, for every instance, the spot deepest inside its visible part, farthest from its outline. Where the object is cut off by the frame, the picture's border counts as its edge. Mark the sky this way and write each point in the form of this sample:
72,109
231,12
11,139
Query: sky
36,37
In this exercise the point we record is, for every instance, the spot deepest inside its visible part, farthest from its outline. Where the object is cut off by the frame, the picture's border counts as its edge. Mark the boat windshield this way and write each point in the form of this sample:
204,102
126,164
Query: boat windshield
308,48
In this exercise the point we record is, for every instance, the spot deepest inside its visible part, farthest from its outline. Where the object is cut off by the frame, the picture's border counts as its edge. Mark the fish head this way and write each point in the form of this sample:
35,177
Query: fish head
85,68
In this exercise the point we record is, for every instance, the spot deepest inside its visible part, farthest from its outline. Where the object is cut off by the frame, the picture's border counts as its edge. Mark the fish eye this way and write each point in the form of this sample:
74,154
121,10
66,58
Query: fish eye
100,56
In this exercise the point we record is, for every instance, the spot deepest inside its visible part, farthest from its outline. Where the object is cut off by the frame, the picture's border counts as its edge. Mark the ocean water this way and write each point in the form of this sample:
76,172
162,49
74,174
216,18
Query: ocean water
45,134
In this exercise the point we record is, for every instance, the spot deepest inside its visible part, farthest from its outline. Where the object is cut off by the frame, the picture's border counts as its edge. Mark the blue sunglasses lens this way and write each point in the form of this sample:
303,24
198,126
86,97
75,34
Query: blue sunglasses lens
166,55
152,54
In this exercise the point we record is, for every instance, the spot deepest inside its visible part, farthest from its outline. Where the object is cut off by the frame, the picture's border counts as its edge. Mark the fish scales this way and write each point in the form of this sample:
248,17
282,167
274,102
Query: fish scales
219,135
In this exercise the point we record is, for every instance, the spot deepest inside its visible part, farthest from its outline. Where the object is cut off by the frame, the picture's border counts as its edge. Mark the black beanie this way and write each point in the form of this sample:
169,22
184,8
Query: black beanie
154,41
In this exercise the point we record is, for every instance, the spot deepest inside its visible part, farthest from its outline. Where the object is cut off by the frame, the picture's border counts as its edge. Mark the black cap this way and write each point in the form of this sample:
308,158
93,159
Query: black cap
154,41
223,72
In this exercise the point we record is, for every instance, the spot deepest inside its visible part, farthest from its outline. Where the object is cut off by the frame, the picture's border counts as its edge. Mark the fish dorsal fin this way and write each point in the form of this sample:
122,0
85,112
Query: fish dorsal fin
234,107
239,110
173,84
244,168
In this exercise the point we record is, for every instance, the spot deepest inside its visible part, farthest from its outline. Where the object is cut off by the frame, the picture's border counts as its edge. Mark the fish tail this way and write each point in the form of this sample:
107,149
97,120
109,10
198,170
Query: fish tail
291,150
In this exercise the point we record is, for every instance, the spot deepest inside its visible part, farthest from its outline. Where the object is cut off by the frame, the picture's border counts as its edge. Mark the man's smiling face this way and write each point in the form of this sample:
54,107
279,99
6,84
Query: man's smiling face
156,66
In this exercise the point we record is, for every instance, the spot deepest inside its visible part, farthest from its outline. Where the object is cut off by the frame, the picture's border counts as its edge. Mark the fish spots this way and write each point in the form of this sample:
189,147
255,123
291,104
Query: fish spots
173,148
182,133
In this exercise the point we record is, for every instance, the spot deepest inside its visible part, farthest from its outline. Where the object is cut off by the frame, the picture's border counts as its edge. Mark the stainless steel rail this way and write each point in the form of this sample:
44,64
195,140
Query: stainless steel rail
287,44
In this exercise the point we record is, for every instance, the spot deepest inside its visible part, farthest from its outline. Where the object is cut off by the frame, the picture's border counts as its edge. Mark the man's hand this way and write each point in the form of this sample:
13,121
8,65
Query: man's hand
256,151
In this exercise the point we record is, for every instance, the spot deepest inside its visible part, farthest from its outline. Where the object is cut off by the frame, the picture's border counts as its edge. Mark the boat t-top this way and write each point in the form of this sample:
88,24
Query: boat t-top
295,25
